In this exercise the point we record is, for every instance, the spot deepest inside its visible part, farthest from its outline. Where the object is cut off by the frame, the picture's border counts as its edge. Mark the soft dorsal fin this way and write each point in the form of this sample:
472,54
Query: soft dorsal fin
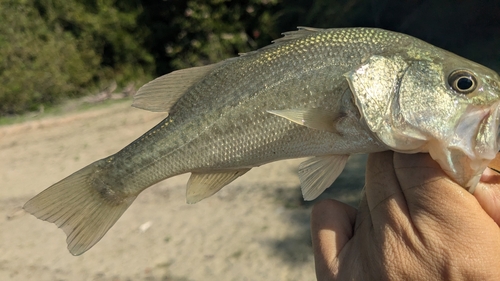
314,118
288,36
318,173
203,185
161,94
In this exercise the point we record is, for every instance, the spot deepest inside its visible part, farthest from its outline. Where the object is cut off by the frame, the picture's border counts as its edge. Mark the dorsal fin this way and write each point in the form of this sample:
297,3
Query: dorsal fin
299,33
288,36
161,94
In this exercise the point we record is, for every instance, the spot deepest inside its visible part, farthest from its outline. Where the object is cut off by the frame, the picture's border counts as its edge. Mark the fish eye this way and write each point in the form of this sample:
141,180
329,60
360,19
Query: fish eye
462,81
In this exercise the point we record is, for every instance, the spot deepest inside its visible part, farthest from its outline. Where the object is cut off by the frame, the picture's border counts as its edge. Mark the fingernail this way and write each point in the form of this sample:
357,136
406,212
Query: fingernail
490,176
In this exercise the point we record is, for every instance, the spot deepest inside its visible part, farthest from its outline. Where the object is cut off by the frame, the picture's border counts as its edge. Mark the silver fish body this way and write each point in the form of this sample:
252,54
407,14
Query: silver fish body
326,93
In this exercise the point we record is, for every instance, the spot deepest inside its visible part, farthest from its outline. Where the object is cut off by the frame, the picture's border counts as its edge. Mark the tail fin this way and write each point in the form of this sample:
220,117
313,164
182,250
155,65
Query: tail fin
78,206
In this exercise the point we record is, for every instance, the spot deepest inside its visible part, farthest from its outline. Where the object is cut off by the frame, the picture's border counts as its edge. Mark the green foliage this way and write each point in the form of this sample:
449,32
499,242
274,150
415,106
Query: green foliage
107,28
54,49
196,32
223,35
38,65
50,50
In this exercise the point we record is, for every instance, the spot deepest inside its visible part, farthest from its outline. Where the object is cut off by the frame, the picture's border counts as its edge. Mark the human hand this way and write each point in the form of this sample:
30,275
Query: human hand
413,223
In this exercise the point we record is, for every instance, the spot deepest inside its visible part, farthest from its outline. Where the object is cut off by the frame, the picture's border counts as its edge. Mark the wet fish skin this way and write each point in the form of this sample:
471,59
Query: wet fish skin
323,93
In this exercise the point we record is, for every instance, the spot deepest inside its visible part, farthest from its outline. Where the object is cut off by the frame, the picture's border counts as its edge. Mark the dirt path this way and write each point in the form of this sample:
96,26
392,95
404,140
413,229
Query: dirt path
254,229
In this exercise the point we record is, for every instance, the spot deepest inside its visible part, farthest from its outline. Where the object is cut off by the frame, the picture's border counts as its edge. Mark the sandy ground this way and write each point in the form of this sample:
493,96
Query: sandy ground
257,228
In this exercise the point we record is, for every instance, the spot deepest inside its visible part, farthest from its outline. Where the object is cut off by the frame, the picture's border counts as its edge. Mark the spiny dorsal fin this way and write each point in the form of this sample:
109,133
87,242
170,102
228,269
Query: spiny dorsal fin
161,94
318,173
299,33
203,185
288,36
314,118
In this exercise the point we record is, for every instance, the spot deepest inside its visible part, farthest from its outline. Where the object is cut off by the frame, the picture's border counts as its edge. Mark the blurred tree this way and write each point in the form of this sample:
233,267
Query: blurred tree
38,64
195,32
50,49
468,28
109,29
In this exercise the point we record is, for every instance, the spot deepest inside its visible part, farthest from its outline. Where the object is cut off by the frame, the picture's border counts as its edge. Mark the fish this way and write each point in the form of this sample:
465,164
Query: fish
319,93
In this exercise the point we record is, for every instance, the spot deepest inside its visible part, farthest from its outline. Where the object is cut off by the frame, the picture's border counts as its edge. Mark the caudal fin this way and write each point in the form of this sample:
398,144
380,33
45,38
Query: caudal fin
83,210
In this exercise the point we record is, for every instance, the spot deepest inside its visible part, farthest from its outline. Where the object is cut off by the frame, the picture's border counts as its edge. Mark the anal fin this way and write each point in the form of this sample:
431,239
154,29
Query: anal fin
203,185
318,173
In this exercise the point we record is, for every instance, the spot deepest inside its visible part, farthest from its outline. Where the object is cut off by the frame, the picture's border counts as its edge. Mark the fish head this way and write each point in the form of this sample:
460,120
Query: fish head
435,102
473,137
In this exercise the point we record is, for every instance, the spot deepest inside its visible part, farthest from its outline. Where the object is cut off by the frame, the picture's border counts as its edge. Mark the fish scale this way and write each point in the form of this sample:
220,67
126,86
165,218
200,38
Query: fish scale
325,93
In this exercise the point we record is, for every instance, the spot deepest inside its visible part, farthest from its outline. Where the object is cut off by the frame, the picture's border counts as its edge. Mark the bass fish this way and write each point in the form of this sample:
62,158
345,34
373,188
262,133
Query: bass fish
325,93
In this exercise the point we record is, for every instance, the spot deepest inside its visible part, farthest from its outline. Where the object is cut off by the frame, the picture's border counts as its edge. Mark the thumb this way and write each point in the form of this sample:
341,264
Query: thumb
332,224
487,194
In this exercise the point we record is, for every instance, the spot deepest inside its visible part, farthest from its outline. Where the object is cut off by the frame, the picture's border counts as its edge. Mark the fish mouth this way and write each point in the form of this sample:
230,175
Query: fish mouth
488,136
472,147
494,164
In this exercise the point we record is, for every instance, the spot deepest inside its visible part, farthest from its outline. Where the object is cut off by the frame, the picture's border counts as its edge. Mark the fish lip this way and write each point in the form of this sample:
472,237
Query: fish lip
472,146
485,145
486,148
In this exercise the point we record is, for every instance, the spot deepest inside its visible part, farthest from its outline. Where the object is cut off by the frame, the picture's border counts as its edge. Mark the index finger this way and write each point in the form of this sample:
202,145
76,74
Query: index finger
487,194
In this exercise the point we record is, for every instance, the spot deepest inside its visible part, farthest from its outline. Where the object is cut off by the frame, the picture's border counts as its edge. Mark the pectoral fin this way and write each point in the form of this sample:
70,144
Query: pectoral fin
318,173
203,185
161,94
314,118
